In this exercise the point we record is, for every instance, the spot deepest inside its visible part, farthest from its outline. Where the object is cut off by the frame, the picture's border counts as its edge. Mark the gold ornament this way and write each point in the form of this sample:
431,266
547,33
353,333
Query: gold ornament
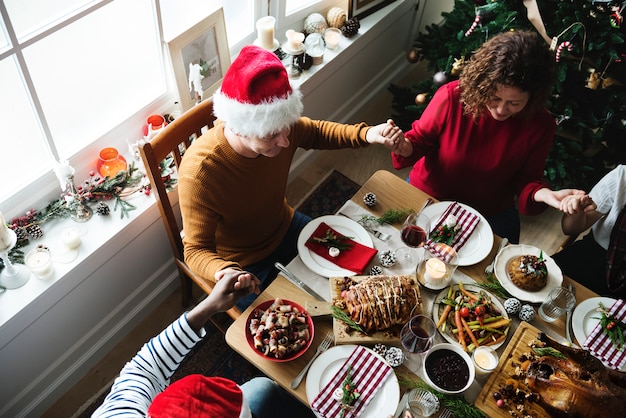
457,66
420,98
593,82
336,17
413,55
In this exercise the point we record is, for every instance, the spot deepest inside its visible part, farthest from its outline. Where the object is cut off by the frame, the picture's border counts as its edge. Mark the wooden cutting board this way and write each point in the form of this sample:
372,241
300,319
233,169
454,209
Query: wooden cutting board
518,345
343,335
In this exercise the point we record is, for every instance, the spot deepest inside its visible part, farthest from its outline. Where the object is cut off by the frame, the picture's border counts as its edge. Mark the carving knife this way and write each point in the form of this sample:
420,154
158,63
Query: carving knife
289,275
568,319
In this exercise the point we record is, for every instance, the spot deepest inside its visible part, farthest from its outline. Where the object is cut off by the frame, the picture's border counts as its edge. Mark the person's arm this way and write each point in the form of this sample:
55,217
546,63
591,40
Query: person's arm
579,214
148,373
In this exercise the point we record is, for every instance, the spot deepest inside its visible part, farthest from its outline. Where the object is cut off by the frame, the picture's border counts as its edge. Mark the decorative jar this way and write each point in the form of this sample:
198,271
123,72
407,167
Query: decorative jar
110,162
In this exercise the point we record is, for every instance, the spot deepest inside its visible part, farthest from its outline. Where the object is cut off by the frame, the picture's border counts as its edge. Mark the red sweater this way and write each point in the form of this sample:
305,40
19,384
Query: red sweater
484,163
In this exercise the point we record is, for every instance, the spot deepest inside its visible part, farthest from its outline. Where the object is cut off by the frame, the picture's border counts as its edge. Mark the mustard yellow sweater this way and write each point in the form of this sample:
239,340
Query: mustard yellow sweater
234,208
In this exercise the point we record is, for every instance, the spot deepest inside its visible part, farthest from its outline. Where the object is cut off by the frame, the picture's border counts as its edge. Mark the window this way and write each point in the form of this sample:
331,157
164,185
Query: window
79,75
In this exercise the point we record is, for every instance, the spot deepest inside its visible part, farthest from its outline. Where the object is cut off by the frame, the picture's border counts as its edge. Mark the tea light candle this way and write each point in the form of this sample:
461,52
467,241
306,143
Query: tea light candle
332,36
435,270
265,32
294,39
39,261
70,238
5,237
485,360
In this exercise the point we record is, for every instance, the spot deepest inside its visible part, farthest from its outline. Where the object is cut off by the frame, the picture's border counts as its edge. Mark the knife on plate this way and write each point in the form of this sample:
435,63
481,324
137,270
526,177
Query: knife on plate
289,275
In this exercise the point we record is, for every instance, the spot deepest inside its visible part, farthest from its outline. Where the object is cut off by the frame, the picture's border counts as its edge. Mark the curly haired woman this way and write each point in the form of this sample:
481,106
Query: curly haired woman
483,140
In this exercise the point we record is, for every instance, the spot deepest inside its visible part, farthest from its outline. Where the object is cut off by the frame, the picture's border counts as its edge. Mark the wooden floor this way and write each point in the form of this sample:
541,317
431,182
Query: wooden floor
542,231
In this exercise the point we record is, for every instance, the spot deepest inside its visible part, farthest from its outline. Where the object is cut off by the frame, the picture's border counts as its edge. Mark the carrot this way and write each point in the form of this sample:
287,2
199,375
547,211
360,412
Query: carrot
444,315
470,333
497,340
467,293
500,323
459,325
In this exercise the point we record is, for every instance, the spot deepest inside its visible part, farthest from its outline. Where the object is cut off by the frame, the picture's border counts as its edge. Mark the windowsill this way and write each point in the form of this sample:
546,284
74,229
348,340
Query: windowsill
102,232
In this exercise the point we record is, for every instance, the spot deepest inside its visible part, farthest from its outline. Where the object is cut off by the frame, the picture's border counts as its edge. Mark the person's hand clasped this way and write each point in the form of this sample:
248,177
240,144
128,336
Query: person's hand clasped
577,203
387,134
563,200
234,284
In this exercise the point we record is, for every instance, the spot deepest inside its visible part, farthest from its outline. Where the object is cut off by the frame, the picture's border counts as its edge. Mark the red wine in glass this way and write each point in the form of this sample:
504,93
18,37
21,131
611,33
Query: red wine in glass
417,335
413,235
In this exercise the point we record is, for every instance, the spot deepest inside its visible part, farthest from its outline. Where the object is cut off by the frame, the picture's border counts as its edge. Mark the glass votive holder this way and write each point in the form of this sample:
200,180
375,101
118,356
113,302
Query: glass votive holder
422,403
437,266
485,361
39,261
110,162
332,36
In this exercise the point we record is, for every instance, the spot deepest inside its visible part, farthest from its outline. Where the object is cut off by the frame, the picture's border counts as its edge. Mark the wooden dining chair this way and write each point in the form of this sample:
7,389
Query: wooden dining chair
174,140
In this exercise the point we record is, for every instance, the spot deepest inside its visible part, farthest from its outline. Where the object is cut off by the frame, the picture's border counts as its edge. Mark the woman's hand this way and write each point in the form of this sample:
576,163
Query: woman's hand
387,134
245,280
556,198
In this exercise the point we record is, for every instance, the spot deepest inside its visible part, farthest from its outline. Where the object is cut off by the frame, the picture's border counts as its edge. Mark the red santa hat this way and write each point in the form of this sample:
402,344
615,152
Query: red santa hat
200,396
256,98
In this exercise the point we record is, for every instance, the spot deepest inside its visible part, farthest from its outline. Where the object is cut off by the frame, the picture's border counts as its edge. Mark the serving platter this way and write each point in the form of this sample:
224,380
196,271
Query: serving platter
555,276
344,226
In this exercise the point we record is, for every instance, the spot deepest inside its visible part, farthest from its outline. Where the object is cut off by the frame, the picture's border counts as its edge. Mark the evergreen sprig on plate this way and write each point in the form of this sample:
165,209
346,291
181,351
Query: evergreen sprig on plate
612,326
332,239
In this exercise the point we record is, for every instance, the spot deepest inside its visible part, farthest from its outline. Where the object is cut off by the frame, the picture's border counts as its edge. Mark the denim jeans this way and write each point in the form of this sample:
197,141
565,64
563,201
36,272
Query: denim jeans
284,253
268,400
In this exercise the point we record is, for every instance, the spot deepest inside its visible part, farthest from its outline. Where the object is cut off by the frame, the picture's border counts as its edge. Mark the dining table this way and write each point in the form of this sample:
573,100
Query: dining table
391,192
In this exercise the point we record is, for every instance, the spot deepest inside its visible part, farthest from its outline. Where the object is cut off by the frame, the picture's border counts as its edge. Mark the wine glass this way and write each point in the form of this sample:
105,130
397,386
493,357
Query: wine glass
414,234
417,337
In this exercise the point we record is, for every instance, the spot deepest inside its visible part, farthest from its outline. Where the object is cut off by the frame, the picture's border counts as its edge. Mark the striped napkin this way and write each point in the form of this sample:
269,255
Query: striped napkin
354,259
599,344
368,374
468,221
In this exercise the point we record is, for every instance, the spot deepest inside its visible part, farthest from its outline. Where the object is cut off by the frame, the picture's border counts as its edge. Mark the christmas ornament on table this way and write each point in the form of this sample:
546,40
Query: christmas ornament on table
336,17
315,23
74,200
351,27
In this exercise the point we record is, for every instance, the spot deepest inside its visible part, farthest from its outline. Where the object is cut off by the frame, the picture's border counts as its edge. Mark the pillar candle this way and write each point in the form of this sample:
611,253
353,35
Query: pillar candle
435,271
5,237
265,32
295,39
332,36
70,238
39,261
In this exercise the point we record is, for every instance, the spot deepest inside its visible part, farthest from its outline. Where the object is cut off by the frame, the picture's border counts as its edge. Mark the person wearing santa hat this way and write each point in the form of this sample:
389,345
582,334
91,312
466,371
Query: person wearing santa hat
141,389
232,179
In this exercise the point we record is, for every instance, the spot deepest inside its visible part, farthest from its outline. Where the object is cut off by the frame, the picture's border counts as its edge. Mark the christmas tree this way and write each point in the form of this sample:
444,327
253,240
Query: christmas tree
588,100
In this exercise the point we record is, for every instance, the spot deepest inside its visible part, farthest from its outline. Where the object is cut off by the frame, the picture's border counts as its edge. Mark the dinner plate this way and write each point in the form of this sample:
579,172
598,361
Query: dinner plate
472,288
555,276
479,244
585,318
341,224
328,363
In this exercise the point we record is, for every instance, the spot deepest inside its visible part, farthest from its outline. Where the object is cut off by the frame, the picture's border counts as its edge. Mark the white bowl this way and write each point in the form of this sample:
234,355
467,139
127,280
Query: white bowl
434,355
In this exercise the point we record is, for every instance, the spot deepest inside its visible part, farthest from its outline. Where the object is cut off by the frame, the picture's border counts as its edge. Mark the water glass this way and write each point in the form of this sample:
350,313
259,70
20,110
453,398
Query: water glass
422,403
559,301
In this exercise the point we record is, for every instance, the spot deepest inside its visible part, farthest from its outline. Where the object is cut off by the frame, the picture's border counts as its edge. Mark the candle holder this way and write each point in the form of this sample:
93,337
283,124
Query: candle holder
80,212
295,48
13,275
39,261
436,268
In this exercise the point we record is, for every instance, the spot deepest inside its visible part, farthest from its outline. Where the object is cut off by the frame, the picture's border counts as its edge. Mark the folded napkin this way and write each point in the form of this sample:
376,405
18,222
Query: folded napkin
355,259
368,374
466,219
599,344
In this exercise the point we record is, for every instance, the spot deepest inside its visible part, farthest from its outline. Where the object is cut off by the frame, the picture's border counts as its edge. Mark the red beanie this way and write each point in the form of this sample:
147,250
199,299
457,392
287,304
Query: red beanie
200,396
256,98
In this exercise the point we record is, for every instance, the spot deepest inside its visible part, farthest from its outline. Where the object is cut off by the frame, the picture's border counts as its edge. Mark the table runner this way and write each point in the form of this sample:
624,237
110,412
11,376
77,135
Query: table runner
599,344
368,373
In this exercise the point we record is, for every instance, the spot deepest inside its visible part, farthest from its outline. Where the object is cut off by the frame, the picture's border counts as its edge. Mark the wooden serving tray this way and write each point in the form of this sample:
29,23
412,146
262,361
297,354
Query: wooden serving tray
518,345
390,336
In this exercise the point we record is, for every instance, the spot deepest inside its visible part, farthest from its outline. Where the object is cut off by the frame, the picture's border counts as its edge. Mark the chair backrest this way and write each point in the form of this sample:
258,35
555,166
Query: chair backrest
174,140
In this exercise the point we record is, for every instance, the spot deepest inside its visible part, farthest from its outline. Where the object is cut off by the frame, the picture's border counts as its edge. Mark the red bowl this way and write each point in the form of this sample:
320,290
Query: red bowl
260,344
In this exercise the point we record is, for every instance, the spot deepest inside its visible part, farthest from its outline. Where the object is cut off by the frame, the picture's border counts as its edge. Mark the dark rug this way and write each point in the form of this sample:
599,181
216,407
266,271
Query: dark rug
212,356
329,195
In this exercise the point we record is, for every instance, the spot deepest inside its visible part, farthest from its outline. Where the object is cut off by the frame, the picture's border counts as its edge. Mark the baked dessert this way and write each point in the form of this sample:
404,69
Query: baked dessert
377,303
528,272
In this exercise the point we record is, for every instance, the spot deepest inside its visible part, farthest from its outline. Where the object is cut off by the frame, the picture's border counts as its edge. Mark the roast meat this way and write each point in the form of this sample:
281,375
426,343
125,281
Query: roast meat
579,386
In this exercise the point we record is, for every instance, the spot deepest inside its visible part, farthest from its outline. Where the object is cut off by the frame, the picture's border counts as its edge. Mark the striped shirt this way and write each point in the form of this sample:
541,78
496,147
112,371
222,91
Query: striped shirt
149,372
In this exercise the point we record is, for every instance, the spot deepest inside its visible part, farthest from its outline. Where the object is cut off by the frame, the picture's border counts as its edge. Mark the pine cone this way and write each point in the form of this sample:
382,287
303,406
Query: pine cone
20,232
34,231
369,199
351,27
102,209
376,271
387,258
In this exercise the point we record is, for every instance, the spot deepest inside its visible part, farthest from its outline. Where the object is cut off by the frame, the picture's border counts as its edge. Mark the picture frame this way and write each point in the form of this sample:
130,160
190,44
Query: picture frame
200,58
362,8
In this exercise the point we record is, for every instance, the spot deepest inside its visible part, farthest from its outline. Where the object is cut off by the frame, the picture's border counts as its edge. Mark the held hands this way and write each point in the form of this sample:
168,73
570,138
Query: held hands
387,134
568,201
576,204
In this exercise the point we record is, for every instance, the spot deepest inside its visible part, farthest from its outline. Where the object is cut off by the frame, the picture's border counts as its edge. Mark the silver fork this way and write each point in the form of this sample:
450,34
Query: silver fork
445,413
489,268
326,342
380,235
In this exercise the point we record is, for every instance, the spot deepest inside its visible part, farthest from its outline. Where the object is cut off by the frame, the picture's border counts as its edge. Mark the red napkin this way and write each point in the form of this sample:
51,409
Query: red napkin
468,221
599,344
368,374
355,259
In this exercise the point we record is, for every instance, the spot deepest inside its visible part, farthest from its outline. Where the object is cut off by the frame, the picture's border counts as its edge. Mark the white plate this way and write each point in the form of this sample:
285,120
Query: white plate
584,318
344,226
479,244
472,288
555,276
324,367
